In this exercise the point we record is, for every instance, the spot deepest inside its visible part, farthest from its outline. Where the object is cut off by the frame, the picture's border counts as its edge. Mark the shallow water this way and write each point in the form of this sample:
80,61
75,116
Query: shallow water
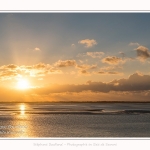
74,120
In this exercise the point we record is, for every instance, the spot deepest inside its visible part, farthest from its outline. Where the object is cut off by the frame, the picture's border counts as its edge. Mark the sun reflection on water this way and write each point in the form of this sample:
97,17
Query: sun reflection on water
22,126
22,109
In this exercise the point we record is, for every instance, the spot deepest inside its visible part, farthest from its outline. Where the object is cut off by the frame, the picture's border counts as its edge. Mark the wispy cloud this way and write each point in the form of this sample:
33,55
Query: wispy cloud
88,43
110,68
112,60
122,54
95,54
72,45
134,44
37,49
84,69
109,73
84,72
85,66
65,63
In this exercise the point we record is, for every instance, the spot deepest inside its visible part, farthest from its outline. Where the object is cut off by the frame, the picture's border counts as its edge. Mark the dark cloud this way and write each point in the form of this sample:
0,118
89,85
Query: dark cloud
135,82
142,53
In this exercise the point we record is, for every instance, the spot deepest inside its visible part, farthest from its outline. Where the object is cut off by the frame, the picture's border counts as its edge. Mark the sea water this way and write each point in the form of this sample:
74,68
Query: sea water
43,120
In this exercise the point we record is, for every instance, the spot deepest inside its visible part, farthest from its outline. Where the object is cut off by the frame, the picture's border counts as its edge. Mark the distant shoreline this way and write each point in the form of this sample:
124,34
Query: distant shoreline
80,102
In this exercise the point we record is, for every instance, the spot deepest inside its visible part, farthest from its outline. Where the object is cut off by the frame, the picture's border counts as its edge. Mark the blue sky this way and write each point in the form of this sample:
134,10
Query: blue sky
54,33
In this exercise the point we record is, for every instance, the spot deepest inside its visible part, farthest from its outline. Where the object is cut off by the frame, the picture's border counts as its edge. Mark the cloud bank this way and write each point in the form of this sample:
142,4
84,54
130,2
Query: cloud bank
135,82
135,87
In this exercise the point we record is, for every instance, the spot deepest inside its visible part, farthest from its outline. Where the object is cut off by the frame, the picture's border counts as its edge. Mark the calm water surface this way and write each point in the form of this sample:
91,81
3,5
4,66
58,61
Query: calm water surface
74,120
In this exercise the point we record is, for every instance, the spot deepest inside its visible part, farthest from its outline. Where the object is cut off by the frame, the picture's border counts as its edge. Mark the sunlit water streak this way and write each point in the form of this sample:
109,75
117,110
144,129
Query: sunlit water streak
74,120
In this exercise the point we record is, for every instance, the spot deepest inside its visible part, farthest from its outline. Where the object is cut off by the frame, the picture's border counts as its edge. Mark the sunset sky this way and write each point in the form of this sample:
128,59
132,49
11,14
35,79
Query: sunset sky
74,57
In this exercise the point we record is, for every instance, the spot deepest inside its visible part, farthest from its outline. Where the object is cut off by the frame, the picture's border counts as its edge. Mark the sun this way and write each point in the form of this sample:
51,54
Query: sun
23,84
